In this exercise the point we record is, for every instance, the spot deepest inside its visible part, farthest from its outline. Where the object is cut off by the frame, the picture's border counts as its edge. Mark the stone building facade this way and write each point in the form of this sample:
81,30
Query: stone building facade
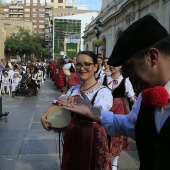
11,26
117,15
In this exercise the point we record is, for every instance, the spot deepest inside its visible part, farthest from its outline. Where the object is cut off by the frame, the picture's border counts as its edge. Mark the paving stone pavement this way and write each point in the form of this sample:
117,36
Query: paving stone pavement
25,145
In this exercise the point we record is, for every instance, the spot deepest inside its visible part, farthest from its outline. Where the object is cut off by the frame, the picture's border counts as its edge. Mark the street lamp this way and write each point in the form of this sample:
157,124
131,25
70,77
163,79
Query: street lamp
98,30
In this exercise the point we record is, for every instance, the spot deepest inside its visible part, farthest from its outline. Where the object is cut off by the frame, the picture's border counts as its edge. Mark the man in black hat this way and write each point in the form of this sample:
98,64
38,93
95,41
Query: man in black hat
144,48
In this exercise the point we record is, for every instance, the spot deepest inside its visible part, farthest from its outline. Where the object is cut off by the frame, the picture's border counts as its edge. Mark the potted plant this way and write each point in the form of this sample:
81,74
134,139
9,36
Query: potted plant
97,43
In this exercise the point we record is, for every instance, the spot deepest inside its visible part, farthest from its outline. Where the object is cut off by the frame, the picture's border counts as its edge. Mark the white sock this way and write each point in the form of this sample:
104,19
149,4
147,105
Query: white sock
115,162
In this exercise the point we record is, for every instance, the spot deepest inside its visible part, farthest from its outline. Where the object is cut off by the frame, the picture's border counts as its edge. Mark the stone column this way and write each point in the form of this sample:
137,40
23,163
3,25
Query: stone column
1,30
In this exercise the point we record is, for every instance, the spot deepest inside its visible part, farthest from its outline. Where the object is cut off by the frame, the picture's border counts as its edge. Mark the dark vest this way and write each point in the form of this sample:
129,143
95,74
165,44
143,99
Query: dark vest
119,91
153,148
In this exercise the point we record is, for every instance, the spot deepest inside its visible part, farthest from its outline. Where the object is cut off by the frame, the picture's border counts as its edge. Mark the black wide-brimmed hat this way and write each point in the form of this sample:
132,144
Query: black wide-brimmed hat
141,34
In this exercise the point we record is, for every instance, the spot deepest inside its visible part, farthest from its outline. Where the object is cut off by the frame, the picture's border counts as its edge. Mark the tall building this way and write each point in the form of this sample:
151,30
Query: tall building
41,13
36,11
65,29
2,31
68,32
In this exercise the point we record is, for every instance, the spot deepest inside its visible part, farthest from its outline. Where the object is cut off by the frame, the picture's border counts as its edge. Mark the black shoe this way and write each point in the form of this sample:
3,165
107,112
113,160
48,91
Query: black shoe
13,94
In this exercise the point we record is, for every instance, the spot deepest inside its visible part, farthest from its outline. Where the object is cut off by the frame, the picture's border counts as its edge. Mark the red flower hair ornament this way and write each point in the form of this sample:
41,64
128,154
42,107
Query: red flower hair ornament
156,96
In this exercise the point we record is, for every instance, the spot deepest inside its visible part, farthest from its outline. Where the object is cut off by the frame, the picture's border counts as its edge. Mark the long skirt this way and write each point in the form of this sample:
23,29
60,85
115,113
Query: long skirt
85,147
60,79
118,142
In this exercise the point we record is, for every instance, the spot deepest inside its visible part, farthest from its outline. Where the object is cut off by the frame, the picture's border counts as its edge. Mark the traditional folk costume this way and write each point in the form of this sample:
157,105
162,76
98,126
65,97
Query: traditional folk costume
60,81
150,126
85,141
73,79
54,66
121,88
99,73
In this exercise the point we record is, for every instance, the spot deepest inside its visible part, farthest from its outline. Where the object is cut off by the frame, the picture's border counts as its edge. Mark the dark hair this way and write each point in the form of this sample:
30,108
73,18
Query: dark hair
100,57
7,66
29,69
90,54
163,45
72,69
61,63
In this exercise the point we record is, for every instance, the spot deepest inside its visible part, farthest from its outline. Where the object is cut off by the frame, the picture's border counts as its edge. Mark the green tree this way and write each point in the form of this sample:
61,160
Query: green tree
25,43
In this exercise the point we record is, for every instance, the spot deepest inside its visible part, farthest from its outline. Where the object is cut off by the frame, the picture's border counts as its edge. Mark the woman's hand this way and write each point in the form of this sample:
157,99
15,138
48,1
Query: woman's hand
45,123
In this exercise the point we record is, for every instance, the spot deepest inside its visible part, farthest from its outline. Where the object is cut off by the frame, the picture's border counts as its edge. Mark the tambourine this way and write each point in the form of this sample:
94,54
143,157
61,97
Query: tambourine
66,72
59,117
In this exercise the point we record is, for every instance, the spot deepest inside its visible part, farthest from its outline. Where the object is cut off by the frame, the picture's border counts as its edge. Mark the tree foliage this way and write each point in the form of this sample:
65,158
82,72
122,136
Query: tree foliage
25,43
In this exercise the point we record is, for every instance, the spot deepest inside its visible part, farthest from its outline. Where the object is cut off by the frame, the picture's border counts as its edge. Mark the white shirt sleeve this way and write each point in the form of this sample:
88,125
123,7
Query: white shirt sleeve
129,89
122,124
104,99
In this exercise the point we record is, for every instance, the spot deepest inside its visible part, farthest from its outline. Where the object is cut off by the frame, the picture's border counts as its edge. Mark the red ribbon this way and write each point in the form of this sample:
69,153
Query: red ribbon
114,82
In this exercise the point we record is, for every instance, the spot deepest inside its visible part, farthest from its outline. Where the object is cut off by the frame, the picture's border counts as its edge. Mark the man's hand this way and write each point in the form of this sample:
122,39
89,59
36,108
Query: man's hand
81,105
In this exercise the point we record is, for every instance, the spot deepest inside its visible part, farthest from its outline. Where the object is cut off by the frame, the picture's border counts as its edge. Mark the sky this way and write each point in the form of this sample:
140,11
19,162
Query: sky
91,4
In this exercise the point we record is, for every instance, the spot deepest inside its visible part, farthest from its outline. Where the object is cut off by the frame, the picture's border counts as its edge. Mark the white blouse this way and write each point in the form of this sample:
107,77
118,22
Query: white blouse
103,99
68,66
129,92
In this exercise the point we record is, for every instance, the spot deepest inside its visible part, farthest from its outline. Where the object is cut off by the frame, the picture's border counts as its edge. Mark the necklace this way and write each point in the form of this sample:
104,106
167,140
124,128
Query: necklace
91,86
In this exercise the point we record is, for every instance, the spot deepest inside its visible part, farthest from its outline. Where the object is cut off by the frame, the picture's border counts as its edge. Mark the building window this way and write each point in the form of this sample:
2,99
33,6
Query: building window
27,10
41,21
34,9
34,15
43,1
5,10
27,15
41,32
41,26
41,15
41,9
47,20
60,1
6,15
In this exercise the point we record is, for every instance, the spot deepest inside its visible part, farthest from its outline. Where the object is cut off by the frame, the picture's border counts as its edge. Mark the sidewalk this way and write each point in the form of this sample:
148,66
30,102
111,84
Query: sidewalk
25,145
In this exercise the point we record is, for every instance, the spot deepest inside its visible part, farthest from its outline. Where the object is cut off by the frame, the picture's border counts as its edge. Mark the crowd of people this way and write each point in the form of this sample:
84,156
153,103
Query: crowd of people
109,106
144,49
106,89
21,78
